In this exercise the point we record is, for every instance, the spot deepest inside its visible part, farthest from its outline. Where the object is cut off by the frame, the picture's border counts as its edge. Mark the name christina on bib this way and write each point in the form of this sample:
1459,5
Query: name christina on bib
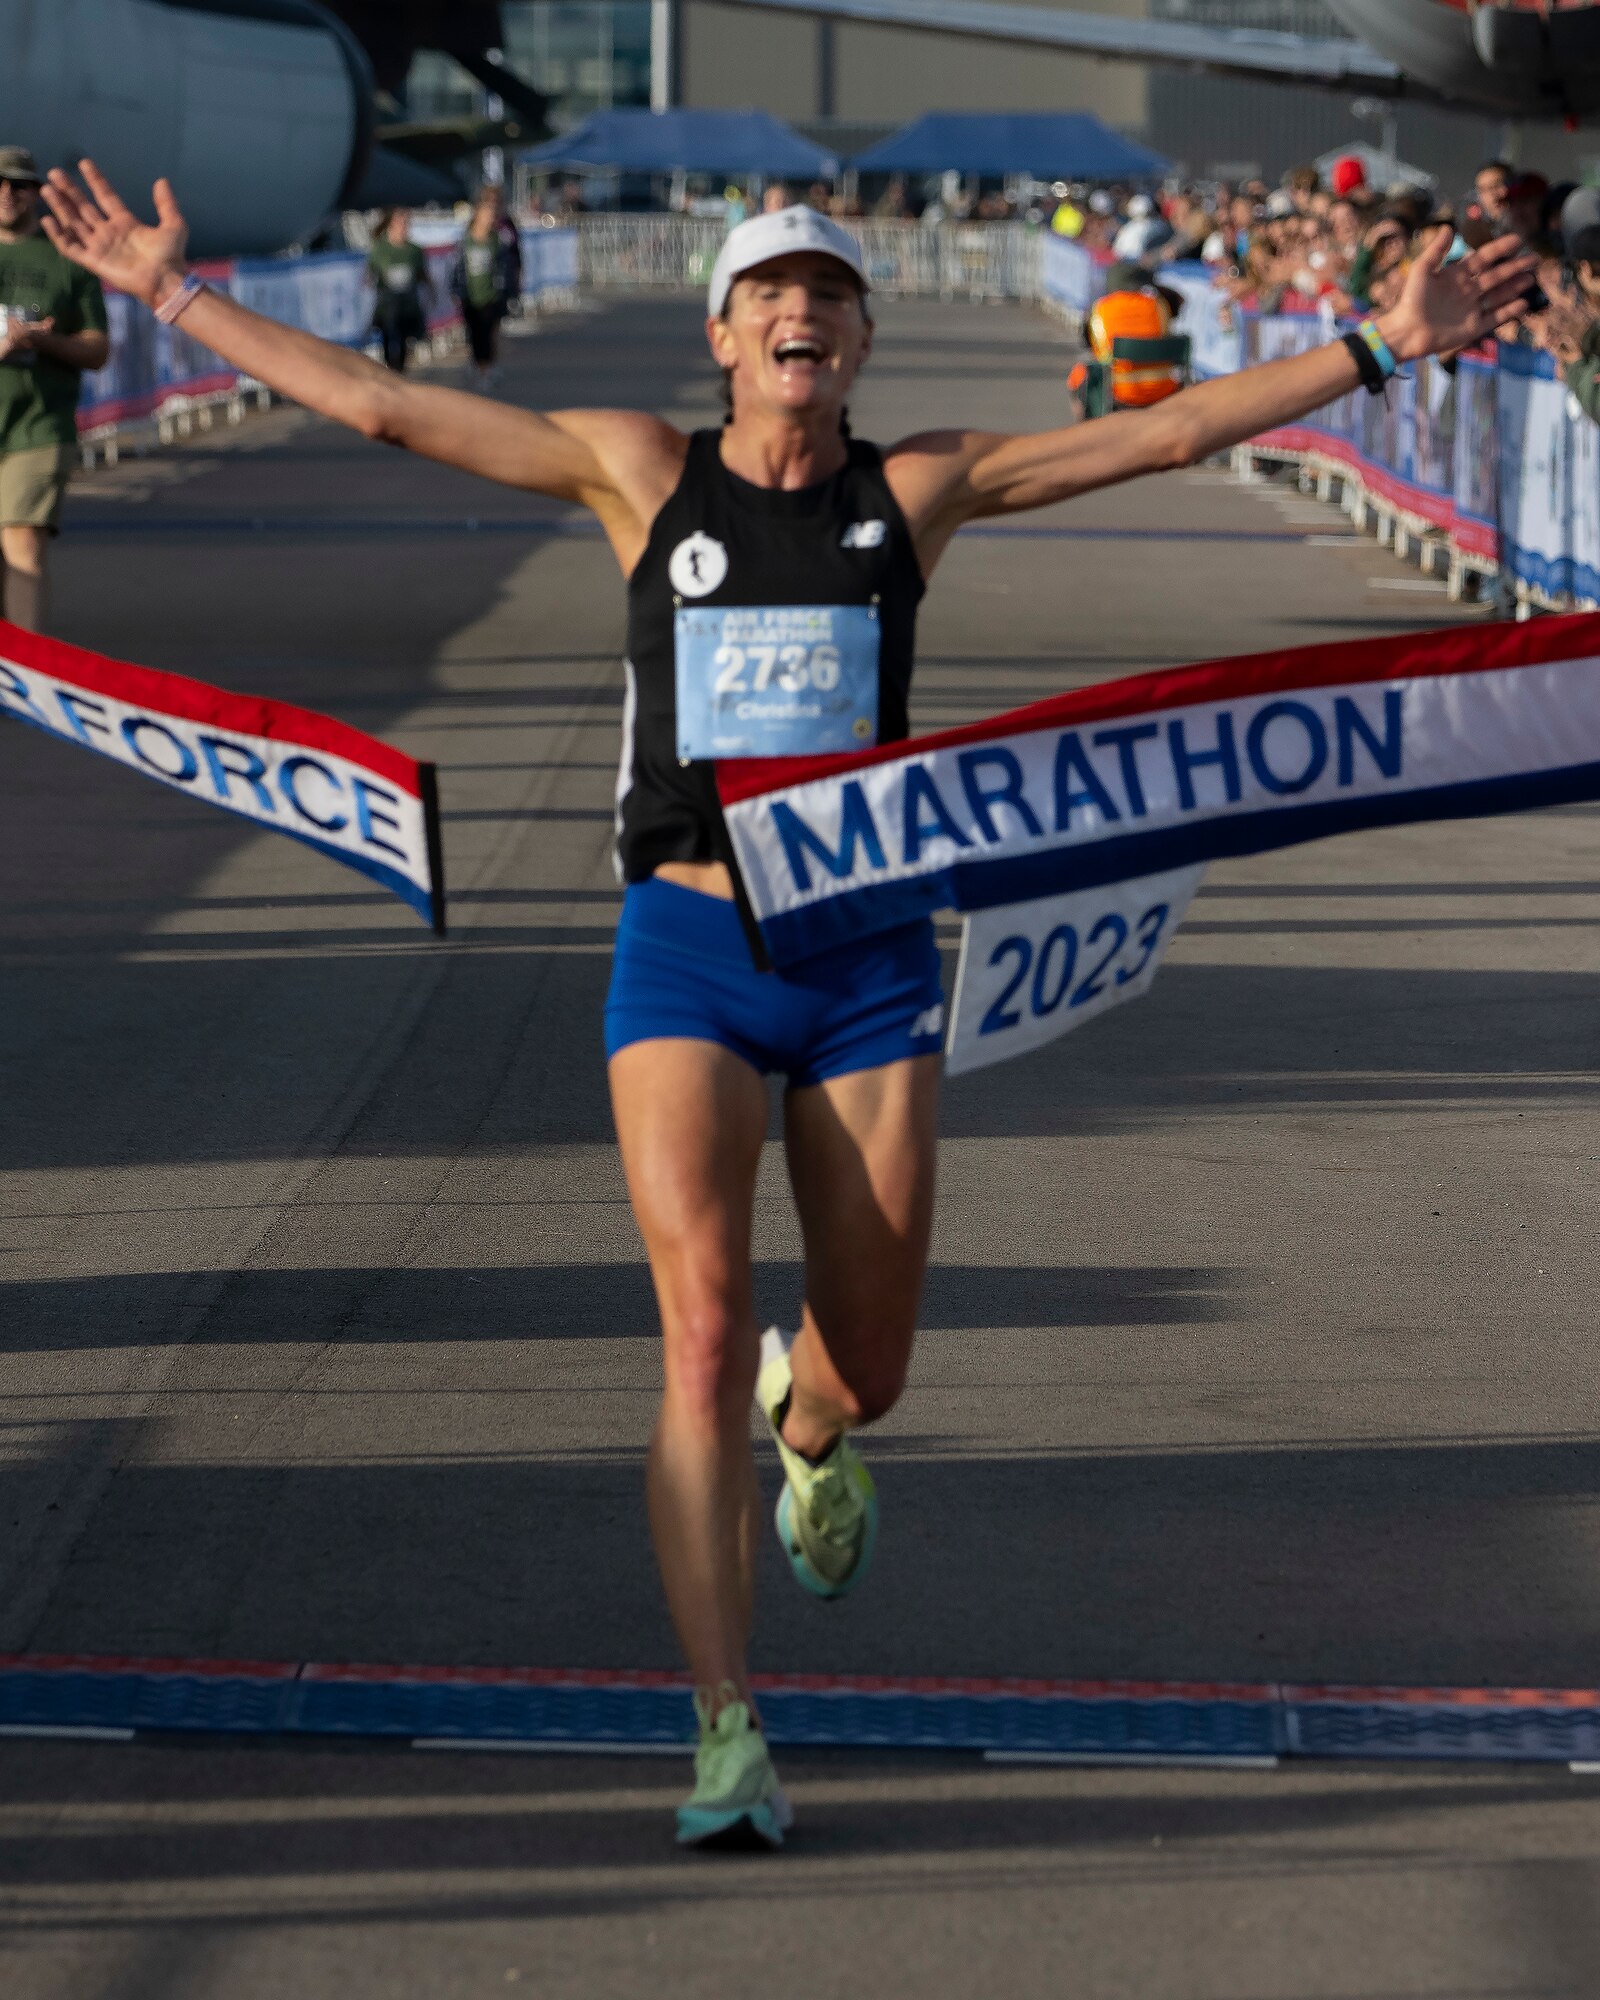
776,680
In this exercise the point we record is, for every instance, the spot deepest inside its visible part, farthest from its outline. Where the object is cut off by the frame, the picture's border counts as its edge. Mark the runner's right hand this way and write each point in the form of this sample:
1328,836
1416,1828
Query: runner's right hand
99,231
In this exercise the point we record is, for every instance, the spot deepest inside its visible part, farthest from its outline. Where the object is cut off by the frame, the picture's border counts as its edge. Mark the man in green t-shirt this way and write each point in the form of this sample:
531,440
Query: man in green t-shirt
52,328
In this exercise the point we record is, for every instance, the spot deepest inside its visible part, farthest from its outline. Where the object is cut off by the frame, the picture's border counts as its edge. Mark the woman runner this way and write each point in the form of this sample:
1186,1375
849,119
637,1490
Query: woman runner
812,550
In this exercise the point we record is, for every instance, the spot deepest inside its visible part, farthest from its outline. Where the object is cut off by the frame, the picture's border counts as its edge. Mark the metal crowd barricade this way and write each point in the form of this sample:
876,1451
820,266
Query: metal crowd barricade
989,260
1490,466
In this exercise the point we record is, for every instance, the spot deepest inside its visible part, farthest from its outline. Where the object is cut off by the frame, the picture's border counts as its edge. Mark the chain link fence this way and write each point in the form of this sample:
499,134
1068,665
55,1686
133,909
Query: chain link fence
959,260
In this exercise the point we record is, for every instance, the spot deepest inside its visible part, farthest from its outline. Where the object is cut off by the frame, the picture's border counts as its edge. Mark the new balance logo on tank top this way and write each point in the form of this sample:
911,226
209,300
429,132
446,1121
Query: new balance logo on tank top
760,624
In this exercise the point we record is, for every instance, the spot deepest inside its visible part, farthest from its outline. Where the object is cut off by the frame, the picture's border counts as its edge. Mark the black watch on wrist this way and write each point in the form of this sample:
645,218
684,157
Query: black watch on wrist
1367,364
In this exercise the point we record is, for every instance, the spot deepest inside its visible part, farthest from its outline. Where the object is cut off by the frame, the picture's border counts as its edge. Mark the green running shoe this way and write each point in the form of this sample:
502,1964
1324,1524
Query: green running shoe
827,1514
737,1800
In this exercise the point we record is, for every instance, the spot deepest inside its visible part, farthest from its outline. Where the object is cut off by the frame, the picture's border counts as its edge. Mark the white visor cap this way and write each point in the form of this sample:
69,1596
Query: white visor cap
779,234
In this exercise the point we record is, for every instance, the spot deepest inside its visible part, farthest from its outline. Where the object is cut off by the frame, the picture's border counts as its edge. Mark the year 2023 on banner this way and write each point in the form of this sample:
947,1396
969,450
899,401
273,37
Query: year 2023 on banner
1031,971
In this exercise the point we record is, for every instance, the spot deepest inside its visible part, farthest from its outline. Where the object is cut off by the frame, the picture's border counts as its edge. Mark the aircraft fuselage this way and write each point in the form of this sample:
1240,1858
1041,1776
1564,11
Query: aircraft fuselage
1518,60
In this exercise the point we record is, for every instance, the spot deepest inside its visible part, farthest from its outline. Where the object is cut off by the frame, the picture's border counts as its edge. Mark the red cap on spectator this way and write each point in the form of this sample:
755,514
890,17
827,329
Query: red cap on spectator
1348,175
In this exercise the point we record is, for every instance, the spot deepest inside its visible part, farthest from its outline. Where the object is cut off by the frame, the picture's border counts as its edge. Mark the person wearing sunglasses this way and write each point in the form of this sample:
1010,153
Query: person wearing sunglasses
52,328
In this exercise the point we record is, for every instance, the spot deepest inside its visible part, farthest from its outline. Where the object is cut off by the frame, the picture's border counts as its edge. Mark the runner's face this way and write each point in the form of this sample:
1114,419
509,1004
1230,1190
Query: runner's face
795,333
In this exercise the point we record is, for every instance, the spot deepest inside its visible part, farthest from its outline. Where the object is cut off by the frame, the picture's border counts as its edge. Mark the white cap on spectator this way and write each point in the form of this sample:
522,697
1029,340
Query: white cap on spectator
1140,206
777,235
1100,202
1279,204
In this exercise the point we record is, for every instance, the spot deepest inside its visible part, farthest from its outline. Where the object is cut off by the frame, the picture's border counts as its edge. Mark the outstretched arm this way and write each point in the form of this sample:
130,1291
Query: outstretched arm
943,478
611,460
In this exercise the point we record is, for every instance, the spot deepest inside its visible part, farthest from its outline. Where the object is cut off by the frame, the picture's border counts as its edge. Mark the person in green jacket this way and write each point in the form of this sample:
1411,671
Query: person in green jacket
486,277
399,273
52,328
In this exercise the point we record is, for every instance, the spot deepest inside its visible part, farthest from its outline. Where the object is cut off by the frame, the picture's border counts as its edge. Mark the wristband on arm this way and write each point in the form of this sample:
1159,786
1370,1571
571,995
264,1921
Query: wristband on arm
1373,356
179,299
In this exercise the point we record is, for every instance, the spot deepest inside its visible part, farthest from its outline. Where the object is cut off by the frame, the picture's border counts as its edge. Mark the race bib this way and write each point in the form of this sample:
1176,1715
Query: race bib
792,680
1031,971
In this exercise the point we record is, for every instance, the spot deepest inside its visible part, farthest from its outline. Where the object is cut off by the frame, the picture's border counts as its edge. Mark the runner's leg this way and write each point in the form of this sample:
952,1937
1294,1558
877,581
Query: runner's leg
861,1153
691,1118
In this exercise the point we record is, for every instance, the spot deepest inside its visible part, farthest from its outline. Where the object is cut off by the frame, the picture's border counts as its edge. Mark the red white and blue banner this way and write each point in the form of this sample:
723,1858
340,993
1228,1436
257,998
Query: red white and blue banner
1134,785
286,769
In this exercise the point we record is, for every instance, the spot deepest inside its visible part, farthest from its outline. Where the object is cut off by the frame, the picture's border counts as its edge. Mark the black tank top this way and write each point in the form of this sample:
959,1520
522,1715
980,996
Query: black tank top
718,544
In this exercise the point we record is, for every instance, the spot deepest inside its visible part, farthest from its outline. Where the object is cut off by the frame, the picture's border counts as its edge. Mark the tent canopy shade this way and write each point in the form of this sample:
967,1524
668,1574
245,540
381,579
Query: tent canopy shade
1050,145
697,142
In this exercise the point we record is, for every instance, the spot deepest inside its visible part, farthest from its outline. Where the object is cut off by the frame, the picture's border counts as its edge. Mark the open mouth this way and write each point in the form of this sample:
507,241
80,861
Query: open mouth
793,350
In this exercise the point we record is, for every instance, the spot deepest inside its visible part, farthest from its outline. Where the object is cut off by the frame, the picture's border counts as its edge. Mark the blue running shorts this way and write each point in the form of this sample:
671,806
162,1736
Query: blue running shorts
683,968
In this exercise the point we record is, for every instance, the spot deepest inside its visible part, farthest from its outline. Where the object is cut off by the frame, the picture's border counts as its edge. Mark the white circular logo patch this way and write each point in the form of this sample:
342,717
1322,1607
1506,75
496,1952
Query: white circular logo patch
697,565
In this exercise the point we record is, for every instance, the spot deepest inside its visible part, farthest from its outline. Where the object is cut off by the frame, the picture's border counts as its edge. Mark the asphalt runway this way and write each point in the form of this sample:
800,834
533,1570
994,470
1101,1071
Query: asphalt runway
1259,1333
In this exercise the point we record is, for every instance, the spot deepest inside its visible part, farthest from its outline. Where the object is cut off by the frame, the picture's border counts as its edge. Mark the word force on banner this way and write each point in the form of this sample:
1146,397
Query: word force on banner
287,769
1030,972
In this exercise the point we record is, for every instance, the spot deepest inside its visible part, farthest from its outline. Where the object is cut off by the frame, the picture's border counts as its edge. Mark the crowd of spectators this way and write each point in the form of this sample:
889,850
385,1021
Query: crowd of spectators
1317,238
1336,240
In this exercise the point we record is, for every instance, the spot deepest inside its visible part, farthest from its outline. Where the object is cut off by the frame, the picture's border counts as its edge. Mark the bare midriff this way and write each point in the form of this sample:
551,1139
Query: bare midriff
707,878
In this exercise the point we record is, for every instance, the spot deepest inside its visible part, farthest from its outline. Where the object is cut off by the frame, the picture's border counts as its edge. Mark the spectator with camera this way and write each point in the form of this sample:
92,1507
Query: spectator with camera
52,329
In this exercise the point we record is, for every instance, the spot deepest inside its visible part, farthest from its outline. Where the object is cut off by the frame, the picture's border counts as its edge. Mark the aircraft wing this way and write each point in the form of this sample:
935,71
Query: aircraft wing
1333,62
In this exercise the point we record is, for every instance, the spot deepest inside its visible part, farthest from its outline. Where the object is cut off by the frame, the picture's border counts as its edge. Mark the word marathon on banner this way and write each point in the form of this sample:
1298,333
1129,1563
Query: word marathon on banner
1028,821
286,769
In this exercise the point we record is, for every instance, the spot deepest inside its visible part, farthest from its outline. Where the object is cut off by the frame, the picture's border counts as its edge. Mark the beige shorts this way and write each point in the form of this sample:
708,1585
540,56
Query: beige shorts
33,485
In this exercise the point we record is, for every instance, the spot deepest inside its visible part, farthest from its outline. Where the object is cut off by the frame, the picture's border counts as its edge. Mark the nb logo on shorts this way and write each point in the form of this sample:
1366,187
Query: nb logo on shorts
864,535
929,1022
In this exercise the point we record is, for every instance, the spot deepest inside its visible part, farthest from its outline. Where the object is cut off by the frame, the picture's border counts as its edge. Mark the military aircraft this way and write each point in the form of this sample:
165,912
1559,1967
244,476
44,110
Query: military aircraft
1516,58
264,113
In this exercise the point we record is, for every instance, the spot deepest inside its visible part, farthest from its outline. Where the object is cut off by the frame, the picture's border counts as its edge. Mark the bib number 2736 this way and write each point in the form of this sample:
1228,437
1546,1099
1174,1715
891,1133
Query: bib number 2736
1032,971
776,680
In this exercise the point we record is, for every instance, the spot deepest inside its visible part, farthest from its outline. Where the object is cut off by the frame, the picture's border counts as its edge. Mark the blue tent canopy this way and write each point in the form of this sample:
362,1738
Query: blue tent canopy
1050,145
699,142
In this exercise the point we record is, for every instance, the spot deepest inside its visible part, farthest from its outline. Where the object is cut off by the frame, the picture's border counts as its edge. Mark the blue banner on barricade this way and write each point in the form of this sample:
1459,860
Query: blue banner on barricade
150,365
549,261
327,295
1492,452
153,366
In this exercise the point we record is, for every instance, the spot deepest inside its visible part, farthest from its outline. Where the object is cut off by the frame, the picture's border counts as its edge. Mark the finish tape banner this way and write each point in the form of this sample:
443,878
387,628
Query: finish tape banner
1074,831
286,769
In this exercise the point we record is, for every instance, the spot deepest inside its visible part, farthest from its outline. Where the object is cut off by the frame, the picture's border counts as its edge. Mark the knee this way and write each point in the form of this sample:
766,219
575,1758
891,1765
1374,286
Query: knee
711,1359
22,549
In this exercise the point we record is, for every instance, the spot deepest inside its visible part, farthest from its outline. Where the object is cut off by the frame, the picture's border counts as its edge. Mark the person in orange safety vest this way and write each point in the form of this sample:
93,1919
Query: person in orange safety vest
1135,311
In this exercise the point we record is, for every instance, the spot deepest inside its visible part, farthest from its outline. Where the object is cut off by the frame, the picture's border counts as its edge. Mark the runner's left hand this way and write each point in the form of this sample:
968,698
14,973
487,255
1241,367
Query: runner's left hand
1446,307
